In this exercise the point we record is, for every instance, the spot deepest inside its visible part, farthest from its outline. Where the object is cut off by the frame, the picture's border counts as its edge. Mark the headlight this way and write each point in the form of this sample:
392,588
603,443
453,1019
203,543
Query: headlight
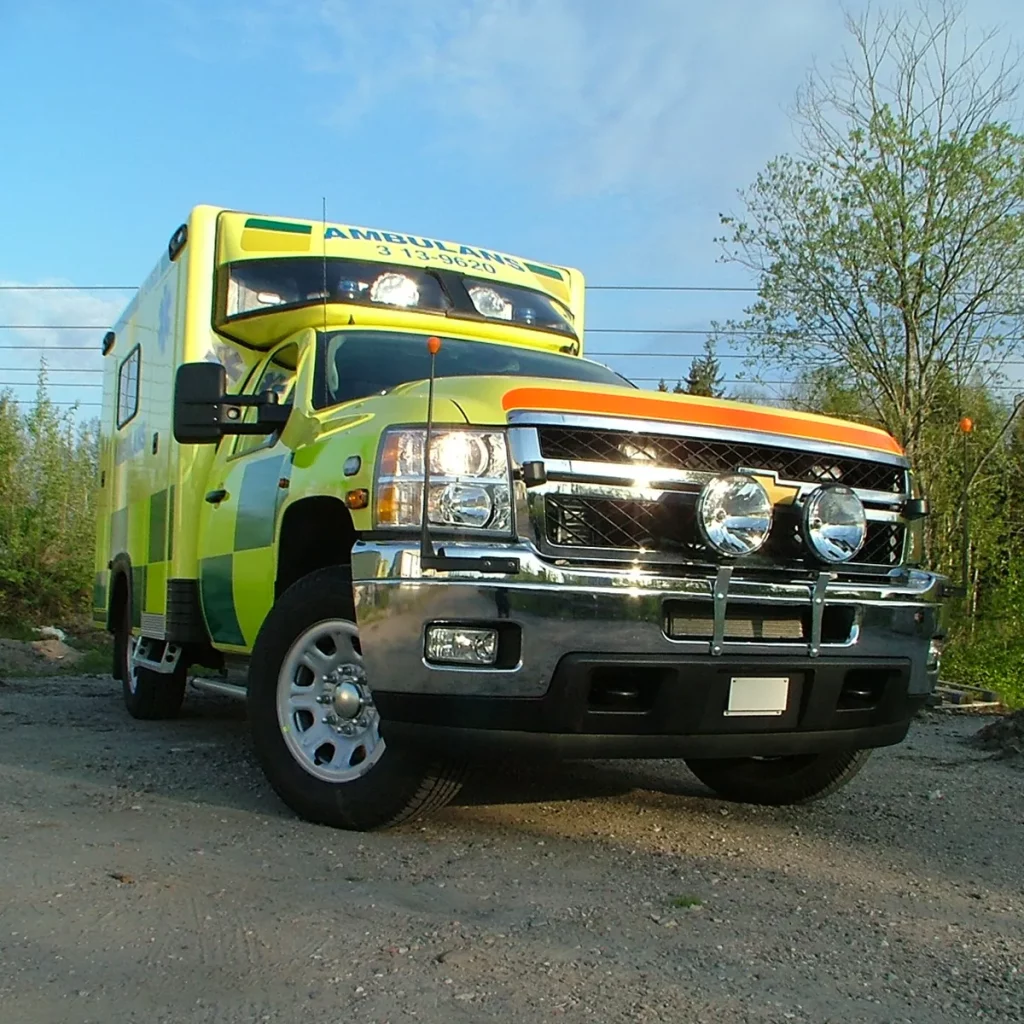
734,514
835,526
469,480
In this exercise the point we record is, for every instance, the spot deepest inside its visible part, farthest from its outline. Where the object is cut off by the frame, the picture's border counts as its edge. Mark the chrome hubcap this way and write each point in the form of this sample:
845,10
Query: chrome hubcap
324,705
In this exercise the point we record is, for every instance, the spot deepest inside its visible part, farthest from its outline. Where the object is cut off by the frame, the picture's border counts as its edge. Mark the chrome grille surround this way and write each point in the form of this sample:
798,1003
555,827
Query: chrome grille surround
591,511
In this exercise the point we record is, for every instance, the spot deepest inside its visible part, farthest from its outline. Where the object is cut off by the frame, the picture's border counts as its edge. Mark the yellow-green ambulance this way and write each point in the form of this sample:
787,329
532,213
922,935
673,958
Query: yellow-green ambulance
604,572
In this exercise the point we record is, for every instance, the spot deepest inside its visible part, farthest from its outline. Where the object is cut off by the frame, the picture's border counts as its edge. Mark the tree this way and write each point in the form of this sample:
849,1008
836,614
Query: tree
662,386
705,376
891,246
47,508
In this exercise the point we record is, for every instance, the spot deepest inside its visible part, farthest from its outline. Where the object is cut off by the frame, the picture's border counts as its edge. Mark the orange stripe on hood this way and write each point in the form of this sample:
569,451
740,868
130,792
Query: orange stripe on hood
705,412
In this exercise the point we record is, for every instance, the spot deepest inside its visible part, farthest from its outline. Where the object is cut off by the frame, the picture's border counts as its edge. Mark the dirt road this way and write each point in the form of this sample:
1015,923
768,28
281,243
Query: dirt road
147,873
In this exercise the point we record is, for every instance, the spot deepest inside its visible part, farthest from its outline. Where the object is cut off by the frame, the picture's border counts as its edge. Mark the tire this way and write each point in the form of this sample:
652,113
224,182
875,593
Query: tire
148,695
358,781
778,781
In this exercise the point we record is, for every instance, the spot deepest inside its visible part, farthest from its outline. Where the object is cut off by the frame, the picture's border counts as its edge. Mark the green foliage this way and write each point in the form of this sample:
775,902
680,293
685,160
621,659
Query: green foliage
48,469
889,254
890,249
988,651
705,376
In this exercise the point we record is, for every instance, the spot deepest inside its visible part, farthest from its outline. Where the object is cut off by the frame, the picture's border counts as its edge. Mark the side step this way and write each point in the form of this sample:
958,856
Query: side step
218,686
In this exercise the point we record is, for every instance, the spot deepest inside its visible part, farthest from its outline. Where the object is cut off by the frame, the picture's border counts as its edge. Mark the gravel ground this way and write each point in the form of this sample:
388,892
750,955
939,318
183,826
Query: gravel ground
147,873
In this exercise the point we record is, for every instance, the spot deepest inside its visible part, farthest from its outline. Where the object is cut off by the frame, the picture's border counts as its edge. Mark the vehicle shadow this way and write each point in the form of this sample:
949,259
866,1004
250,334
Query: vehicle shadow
510,782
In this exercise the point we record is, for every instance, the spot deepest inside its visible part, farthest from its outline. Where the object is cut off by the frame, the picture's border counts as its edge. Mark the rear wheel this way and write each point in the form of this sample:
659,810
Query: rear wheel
147,694
779,780
315,728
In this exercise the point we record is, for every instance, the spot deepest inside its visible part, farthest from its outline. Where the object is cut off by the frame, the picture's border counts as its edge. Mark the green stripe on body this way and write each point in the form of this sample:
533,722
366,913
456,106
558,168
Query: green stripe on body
170,522
257,503
138,593
157,525
277,225
99,591
215,587
544,271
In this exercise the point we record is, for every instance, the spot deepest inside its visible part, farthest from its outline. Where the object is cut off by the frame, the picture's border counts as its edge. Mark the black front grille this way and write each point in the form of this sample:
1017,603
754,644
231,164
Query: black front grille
669,527
625,448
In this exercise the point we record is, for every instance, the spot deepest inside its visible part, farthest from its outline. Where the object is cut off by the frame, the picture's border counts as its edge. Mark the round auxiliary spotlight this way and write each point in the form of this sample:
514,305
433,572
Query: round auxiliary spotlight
834,524
734,514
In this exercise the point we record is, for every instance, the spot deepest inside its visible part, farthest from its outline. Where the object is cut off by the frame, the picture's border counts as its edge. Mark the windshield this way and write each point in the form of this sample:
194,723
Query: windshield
253,287
357,364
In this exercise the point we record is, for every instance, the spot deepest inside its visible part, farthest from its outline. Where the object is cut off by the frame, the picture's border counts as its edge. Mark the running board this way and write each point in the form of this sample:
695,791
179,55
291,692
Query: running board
218,686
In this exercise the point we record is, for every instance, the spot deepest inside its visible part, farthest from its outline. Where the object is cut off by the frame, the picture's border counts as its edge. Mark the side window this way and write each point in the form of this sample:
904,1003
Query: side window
277,375
128,387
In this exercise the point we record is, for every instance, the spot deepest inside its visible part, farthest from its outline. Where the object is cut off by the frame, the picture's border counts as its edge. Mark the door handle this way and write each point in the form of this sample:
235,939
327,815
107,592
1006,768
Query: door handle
216,497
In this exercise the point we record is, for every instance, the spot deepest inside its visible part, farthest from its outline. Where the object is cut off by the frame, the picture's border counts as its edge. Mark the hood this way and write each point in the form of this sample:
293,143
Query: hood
492,399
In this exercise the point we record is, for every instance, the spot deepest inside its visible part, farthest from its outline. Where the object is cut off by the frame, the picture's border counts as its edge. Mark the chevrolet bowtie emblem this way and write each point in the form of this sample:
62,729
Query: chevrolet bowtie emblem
780,494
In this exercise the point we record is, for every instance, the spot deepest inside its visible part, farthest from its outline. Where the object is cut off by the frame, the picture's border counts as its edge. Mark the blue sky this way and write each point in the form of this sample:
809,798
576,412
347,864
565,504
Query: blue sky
596,133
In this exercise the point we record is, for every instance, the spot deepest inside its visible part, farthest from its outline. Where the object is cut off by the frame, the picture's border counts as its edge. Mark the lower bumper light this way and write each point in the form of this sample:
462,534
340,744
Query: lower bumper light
461,645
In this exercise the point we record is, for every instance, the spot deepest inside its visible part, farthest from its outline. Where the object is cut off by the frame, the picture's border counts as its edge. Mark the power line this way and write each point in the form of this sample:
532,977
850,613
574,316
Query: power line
667,288
589,287
83,405
48,384
68,288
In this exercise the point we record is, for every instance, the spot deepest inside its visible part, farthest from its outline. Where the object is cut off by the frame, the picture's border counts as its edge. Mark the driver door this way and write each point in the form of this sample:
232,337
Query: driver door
237,522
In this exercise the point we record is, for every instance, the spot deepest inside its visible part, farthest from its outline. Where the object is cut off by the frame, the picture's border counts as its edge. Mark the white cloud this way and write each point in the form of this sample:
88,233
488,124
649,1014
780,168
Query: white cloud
609,97
38,321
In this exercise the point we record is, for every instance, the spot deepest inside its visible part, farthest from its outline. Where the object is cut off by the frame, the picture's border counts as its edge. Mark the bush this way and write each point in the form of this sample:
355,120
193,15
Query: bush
992,658
48,468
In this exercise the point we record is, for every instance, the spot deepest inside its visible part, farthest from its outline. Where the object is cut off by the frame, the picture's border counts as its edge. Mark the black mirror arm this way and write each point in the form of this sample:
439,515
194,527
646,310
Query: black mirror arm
271,414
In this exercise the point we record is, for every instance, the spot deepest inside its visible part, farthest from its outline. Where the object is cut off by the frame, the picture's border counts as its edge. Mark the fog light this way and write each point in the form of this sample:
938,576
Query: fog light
462,645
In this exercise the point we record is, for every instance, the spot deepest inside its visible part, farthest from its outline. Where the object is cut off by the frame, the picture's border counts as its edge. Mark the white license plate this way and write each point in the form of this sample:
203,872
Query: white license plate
758,695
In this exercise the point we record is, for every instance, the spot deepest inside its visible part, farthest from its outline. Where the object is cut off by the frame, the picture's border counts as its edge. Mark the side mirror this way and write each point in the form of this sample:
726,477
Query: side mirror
204,412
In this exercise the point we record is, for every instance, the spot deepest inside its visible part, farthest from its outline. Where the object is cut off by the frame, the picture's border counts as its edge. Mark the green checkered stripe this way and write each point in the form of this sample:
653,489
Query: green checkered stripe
259,501
142,531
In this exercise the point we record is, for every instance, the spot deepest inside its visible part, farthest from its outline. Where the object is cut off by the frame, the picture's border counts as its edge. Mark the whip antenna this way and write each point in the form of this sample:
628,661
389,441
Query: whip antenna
323,204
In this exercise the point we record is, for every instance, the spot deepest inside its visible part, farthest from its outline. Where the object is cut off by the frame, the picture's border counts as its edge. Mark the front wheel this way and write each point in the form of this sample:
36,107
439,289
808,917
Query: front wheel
795,779
315,728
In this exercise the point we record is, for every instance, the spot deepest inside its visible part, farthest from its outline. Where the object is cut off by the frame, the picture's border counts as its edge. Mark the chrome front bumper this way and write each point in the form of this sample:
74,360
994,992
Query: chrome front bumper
563,612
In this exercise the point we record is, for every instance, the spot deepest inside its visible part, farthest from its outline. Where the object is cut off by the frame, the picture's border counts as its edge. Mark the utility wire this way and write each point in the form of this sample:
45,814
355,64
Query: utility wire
590,288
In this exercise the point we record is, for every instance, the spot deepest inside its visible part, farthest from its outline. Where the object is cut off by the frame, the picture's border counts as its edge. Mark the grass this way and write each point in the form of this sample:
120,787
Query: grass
685,902
993,659
10,629
94,663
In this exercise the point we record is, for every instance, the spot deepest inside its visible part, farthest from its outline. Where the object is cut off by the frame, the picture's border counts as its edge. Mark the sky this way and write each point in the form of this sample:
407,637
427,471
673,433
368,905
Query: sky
592,133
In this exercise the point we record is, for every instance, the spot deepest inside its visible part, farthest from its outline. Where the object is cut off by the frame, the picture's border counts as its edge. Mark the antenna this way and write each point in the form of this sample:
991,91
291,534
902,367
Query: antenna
426,545
323,203
439,560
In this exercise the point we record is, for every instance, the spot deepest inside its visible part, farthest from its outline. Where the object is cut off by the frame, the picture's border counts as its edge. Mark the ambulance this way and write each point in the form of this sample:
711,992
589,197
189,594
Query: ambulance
369,483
